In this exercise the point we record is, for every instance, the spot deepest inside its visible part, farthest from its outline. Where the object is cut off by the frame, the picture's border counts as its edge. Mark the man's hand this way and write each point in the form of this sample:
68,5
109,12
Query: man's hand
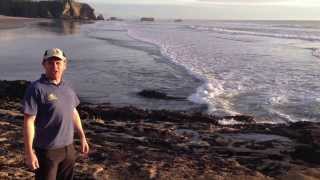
32,161
28,131
84,146
78,126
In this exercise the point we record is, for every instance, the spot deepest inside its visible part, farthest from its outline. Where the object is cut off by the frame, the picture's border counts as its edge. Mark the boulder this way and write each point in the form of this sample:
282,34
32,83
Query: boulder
100,17
151,19
242,118
158,95
114,19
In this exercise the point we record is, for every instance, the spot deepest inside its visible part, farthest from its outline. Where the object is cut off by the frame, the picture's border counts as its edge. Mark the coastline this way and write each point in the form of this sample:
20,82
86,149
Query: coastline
142,144
127,56
9,22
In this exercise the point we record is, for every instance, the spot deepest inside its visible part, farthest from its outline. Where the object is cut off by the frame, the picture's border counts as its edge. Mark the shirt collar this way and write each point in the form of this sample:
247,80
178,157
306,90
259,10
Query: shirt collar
45,80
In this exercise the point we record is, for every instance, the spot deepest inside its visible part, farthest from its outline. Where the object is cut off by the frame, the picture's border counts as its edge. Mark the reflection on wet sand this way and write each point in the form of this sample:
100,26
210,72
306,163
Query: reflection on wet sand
64,27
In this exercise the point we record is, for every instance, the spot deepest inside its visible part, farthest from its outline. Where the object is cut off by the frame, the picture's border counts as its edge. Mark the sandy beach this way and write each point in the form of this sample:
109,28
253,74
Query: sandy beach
8,22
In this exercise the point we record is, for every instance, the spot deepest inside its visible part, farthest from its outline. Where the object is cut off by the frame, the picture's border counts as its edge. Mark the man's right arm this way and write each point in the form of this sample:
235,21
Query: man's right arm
29,131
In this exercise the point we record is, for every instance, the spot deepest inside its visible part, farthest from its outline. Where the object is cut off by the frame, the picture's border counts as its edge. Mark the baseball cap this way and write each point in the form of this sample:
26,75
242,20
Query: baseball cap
54,52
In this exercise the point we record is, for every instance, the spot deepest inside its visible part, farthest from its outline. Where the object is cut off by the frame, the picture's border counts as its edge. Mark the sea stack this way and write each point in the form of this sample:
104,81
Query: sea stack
58,9
100,17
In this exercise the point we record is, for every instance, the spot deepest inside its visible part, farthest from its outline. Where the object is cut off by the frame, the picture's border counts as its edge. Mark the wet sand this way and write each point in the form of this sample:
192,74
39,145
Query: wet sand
8,22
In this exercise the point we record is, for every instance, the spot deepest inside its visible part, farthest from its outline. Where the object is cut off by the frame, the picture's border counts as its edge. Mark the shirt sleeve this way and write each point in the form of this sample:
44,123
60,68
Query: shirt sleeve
76,100
29,102
74,97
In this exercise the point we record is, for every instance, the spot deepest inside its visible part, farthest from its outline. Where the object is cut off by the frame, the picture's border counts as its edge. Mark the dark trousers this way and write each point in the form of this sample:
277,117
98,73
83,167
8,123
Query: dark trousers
56,164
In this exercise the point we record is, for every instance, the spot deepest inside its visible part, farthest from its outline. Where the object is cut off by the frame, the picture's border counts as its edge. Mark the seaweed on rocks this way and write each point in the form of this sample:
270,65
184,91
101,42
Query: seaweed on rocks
131,143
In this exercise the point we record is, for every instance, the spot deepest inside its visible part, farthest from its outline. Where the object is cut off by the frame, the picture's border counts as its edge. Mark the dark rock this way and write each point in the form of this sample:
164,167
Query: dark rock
150,19
158,95
114,19
13,89
100,17
242,118
307,153
67,9
83,11
97,156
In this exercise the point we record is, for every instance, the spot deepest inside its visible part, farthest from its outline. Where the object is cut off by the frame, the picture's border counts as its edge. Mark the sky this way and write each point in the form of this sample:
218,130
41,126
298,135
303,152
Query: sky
210,9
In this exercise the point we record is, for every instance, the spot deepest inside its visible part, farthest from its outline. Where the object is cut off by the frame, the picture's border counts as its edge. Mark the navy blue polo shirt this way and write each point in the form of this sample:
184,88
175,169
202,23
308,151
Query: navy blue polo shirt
53,106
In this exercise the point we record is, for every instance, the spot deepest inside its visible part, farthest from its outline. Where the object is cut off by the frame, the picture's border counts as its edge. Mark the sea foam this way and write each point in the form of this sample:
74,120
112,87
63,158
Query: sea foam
245,67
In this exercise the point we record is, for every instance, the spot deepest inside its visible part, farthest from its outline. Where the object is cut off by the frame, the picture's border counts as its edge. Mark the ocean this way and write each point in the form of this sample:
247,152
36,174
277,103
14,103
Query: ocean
267,69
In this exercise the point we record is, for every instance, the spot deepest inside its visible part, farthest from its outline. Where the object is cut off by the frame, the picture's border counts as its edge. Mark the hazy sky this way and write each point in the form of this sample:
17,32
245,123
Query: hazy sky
210,9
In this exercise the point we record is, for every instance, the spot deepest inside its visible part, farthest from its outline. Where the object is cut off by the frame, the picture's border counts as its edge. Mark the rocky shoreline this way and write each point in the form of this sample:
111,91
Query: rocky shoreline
58,9
130,143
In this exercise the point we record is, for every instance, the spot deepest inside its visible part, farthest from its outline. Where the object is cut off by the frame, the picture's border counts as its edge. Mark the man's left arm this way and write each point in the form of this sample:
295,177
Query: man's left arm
78,127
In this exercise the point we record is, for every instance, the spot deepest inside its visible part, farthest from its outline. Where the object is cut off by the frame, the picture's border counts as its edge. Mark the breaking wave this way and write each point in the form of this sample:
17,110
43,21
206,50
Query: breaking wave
269,32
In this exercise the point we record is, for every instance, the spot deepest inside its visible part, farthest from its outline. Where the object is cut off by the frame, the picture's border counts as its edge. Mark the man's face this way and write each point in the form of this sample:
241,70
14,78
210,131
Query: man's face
54,68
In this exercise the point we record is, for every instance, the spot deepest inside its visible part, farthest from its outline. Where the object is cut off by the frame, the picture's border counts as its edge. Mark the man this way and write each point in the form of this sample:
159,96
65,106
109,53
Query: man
50,116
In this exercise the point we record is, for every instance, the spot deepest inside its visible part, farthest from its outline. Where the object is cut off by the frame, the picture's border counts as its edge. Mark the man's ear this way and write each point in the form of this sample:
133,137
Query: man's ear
65,64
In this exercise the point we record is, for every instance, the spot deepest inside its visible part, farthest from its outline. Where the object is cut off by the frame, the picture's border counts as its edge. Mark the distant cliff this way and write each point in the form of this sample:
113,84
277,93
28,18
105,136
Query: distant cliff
62,9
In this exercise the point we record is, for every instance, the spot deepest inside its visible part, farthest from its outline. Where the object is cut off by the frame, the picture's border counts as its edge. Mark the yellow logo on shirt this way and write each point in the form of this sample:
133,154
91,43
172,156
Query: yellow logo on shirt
52,97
